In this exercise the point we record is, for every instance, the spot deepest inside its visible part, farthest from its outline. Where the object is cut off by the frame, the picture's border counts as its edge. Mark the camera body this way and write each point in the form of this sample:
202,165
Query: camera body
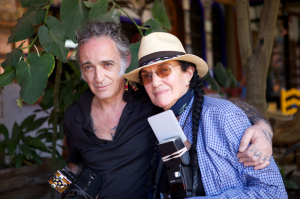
84,185
176,159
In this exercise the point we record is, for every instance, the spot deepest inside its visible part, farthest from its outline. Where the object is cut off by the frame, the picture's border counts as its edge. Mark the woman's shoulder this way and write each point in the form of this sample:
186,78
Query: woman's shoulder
219,104
220,109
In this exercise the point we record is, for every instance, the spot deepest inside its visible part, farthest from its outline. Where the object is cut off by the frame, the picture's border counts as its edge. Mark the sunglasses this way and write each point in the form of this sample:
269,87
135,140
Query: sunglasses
162,71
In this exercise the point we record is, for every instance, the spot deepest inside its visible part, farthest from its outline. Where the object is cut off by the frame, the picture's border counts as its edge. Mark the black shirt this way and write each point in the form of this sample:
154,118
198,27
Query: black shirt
124,163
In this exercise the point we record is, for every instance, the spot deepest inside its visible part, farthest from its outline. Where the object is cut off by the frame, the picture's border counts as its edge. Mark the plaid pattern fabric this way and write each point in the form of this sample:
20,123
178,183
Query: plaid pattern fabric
221,128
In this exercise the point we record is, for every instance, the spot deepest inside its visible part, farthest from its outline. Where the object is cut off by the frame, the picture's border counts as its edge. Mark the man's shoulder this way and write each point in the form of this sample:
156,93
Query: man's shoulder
74,108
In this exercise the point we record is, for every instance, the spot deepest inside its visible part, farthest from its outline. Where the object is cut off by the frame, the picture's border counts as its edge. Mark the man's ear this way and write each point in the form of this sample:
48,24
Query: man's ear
128,60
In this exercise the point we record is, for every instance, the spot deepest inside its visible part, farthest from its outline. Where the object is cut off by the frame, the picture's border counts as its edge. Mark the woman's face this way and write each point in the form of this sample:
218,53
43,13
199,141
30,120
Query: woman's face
164,92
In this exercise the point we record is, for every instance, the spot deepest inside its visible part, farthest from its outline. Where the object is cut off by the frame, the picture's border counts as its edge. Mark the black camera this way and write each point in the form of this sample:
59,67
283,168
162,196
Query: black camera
176,159
84,185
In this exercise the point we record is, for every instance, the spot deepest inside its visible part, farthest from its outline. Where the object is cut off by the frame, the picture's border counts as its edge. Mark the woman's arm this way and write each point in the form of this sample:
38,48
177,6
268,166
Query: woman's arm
223,175
259,135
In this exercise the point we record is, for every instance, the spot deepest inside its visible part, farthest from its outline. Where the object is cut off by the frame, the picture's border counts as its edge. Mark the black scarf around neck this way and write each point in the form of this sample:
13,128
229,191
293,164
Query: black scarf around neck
182,103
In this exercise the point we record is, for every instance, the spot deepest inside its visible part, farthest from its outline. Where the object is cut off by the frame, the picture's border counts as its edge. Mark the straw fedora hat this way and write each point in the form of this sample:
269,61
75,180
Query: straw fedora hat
159,47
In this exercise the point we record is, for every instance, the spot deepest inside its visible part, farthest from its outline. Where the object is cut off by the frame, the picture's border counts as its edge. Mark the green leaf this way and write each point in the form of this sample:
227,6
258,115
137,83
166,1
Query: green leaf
53,39
19,160
98,8
72,14
32,78
37,158
221,75
68,100
134,48
38,143
4,131
27,121
25,26
8,76
155,26
12,58
2,146
16,130
35,3
112,16
290,150
159,12
290,185
49,62
11,147
46,135
26,151
20,102
88,4
36,124
47,101
75,68
233,81
213,83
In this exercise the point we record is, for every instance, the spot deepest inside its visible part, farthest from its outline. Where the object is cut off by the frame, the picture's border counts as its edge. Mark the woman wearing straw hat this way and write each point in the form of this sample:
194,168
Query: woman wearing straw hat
213,127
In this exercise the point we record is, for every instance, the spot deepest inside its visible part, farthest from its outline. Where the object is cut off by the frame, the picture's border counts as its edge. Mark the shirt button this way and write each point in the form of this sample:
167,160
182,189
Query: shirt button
105,142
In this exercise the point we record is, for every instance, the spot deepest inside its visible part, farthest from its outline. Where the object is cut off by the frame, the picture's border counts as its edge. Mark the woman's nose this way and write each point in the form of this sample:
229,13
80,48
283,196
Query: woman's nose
156,80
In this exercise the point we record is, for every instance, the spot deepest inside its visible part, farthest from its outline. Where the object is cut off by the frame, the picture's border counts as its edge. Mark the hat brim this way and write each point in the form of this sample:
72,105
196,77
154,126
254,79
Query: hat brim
201,66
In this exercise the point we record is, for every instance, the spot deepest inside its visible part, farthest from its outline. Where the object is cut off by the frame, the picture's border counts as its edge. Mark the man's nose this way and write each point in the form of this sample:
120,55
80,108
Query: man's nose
99,76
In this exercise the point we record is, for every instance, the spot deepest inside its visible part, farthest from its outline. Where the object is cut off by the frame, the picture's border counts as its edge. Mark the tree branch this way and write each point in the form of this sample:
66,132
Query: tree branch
267,27
244,30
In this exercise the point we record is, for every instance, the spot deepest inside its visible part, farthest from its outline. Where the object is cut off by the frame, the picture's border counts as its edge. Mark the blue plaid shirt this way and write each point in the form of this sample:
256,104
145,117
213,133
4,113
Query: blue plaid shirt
221,128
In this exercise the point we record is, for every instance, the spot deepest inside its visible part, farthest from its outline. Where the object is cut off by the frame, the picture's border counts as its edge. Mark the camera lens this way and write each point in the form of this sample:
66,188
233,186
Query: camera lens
75,194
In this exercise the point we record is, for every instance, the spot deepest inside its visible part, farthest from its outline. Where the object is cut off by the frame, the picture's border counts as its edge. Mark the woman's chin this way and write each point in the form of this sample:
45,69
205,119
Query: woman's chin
164,106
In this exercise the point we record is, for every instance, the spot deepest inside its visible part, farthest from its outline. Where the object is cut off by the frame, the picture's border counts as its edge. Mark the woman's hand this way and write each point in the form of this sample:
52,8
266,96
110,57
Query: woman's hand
258,154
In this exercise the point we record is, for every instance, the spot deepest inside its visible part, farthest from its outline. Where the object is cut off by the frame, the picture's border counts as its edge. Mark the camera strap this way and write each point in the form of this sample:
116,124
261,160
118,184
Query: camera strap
194,167
157,177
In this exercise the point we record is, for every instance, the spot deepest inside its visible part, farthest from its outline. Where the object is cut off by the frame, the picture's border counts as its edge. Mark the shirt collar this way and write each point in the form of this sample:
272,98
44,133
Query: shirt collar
188,126
84,116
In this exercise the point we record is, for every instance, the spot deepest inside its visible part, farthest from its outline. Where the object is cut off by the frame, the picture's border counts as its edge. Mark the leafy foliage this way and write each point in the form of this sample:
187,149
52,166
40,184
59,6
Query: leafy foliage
8,76
134,48
288,183
13,57
24,27
98,9
32,3
155,26
224,77
159,12
213,83
72,14
32,77
22,147
53,38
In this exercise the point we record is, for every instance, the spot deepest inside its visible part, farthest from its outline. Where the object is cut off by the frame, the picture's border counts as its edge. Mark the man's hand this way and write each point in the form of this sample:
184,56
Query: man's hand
258,154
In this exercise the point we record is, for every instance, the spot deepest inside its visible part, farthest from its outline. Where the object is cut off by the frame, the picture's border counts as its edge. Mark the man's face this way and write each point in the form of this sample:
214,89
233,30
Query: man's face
100,63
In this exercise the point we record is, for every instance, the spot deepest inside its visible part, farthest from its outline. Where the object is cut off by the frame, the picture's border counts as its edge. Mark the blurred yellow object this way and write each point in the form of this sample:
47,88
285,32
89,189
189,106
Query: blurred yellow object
285,104
272,106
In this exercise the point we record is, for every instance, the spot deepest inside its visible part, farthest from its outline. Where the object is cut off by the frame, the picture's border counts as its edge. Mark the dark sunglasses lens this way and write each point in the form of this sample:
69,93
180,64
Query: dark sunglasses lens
161,71
146,78
164,70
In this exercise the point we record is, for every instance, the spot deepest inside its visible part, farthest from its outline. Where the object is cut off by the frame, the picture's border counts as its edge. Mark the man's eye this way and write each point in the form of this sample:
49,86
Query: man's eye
108,64
87,67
